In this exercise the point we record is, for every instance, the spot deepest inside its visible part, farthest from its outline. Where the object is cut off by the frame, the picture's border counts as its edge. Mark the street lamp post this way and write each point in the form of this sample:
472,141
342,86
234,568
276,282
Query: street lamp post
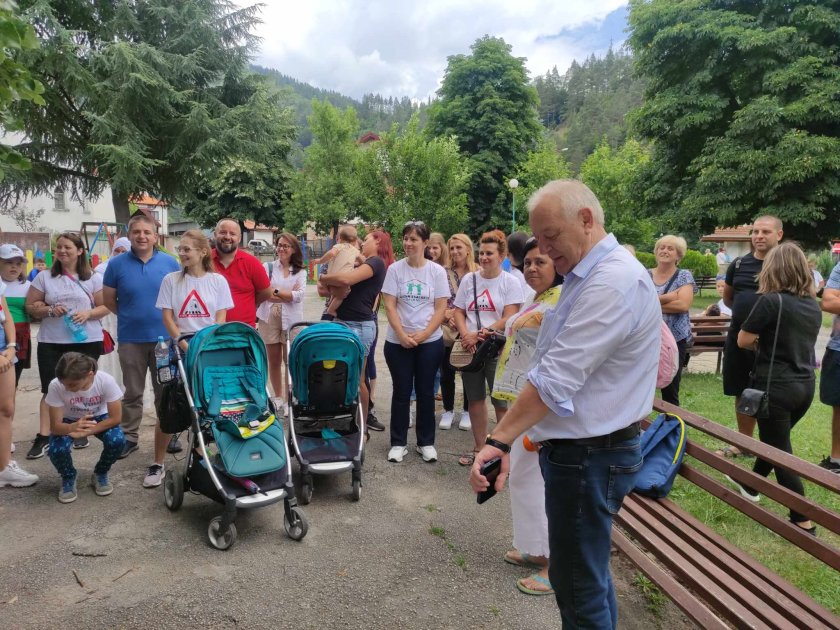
513,184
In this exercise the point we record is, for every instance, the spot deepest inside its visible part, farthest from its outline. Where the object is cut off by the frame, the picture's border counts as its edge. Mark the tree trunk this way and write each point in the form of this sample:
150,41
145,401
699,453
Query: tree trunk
122,212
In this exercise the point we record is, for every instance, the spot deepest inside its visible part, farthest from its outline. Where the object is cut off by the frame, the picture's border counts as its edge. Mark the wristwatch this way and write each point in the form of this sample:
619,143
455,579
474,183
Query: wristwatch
505,448
13,345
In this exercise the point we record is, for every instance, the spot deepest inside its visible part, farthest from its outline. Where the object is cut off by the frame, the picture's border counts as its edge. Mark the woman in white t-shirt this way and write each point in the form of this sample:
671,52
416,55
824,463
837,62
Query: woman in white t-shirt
66,297
415,293
196,297
288,280
491,296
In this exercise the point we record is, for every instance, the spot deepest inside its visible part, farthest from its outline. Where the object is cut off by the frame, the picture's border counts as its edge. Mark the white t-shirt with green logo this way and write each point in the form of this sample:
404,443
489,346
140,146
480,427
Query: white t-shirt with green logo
416,290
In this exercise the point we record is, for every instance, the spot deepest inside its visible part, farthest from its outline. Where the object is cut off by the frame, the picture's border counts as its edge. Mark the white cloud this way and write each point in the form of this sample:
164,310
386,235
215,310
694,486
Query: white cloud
400,49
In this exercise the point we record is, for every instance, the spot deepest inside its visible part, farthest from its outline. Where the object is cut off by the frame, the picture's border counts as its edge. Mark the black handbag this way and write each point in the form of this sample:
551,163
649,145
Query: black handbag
174,414
485,351
756,402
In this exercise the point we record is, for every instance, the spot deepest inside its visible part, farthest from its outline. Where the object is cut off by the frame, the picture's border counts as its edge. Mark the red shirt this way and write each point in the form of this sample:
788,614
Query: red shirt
246,277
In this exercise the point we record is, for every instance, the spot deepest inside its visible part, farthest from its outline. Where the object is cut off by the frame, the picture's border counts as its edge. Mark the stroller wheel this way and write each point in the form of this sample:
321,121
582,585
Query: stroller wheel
297,528
306,491
173,489
217,539
357,489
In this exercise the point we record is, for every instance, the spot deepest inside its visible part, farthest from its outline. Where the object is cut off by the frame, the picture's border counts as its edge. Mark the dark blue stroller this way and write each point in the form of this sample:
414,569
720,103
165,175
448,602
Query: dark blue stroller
238,454
327,426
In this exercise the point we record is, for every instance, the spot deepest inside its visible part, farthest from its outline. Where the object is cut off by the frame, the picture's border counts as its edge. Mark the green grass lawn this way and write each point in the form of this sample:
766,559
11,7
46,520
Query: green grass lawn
703,394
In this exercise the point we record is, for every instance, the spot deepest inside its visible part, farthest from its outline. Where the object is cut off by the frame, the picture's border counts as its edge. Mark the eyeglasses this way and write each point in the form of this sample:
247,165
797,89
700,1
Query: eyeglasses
283,246
184,250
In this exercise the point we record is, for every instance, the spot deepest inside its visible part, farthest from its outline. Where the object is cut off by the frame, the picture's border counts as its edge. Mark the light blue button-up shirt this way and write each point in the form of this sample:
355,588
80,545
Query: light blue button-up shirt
598,349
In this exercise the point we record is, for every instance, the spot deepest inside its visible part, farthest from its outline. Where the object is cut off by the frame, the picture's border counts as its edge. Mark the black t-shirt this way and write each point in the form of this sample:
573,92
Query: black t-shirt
742,276
798,330
358,306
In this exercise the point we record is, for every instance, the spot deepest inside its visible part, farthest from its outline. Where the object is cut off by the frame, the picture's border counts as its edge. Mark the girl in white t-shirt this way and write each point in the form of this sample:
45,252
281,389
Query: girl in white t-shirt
83,402
415,293
491,295
196,297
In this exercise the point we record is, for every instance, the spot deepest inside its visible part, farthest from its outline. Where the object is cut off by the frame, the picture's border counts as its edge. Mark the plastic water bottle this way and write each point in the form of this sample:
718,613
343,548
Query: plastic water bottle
164,369
76,330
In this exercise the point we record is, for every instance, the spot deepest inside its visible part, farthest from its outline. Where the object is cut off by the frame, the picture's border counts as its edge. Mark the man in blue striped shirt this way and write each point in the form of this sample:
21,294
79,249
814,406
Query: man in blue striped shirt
592,380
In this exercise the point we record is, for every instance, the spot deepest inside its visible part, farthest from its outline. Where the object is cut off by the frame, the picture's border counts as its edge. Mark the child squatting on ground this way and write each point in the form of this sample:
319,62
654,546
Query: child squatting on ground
342,258
83,402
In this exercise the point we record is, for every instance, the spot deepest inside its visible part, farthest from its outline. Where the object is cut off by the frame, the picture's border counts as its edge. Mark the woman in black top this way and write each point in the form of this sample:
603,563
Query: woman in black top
784,282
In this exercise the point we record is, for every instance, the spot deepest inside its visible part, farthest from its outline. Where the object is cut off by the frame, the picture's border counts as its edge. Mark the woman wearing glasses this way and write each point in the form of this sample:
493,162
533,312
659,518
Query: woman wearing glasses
288,281
415,294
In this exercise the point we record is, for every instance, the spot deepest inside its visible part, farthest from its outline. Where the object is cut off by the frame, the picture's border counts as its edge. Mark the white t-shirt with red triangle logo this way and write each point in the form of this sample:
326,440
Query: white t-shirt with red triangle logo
492,296
194,301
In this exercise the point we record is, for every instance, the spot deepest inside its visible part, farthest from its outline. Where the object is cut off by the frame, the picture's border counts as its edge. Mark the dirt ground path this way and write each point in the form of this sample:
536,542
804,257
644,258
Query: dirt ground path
415,552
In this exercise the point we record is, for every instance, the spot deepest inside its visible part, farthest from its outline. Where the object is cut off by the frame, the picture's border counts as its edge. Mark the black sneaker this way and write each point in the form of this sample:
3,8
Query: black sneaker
39,446
174,445
128,449
374,424
828,463
81,442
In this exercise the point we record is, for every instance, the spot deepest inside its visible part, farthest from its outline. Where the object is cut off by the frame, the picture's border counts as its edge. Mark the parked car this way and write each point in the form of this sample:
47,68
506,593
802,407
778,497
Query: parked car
259,246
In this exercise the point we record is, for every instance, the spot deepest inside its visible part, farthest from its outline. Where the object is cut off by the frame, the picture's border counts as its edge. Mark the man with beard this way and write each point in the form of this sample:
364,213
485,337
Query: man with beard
248,281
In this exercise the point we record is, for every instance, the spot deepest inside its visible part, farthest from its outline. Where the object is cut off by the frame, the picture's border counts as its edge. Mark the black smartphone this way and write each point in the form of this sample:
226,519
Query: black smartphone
490,470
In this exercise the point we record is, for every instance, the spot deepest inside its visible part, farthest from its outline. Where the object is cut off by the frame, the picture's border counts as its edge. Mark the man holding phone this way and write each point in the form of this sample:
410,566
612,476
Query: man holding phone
591,382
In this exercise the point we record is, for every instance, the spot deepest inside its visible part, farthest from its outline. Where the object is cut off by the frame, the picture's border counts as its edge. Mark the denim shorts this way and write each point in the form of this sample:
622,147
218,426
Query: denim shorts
366,332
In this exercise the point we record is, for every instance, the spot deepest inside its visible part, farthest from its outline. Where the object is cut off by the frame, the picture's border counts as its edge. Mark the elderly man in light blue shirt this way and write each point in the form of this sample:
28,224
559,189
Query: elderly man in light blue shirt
592,380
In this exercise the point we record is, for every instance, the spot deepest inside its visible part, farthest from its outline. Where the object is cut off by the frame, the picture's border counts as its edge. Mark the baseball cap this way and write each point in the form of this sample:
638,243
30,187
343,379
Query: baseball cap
9,252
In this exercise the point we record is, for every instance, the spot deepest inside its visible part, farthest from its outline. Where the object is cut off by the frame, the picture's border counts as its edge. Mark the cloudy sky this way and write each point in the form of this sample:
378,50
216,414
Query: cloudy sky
399,48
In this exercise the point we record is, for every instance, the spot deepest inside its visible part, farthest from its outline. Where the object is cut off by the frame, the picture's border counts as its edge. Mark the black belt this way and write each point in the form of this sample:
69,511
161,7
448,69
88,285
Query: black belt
601,441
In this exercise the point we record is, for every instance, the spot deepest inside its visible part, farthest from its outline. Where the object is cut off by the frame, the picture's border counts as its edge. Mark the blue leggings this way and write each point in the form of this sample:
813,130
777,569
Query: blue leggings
113,441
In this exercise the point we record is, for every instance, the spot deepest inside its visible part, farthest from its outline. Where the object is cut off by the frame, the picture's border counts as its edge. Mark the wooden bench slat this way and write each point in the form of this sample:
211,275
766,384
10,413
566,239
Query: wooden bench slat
711,589
696,610
778,593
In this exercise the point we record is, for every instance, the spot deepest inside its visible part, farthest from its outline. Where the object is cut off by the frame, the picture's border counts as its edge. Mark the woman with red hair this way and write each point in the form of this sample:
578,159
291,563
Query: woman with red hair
363,285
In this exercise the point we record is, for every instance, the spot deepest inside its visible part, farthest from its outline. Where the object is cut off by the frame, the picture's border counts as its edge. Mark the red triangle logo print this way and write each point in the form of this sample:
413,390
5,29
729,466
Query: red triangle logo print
485,302
193,306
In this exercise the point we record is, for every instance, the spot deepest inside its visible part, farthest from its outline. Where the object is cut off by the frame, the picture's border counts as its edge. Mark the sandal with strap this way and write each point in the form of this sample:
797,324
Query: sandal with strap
520,559
467,459
536,577
730,452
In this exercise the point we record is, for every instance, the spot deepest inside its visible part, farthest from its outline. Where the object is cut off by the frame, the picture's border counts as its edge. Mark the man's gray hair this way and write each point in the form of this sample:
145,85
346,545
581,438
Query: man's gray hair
573,195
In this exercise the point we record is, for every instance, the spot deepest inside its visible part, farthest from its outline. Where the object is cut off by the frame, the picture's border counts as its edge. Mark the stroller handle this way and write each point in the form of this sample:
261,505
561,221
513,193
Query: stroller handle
184,337
322,321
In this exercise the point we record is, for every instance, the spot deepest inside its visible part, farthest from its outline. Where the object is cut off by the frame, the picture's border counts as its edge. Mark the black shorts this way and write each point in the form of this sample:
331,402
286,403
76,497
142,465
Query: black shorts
50,353
830,379
737,365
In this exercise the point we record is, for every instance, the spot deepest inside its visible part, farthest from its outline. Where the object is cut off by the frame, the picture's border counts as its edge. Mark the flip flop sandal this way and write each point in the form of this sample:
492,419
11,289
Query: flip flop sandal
519,559
537,578
730,452
467,459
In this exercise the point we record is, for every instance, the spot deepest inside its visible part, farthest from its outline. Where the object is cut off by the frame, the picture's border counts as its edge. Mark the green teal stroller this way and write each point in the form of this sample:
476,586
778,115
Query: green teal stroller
238,453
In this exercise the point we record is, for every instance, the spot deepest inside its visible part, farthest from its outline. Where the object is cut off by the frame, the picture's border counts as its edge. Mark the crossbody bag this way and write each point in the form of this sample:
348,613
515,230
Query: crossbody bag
756,402
462,359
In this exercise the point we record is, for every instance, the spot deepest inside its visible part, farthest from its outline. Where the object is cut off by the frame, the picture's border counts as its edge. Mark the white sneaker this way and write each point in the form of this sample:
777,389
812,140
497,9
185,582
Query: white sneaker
15,476
446,420
13,447
397,453
411,413
465,424
428,453
154,477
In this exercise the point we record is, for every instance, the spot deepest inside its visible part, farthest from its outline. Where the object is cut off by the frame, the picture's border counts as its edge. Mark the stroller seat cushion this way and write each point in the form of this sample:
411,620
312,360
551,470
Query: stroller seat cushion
258,455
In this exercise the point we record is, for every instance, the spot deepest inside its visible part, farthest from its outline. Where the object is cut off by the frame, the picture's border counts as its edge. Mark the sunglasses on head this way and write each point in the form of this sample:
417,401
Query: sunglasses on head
414,223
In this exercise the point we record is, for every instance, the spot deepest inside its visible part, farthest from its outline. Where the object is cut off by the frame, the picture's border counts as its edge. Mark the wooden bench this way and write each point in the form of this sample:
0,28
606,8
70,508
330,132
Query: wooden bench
709,335
712,581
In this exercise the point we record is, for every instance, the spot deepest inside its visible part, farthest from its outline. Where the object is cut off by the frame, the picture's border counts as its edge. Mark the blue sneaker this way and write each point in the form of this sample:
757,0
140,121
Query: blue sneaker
68,491
101,485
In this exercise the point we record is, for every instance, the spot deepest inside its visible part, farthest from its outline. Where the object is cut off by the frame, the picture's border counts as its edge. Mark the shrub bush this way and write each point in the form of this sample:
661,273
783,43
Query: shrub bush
700,265
647,260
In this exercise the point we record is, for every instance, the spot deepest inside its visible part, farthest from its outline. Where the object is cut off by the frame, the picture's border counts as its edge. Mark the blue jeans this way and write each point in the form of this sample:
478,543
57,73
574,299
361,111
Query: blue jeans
413,368
366,331
584,488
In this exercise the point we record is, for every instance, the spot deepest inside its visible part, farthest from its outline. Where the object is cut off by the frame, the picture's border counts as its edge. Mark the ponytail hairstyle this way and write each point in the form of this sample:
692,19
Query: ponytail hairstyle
497,237
200,241
74,366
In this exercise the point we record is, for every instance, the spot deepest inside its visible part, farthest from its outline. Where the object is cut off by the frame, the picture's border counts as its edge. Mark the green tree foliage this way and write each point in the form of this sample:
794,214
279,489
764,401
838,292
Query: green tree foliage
408,176
553,96
325,191
615,178
648,260
541,166
743,102
488,105
16,81
599,92
147,96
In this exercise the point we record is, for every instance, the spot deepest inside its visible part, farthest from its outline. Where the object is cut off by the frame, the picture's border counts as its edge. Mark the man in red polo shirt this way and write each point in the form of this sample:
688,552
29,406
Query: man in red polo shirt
245,274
